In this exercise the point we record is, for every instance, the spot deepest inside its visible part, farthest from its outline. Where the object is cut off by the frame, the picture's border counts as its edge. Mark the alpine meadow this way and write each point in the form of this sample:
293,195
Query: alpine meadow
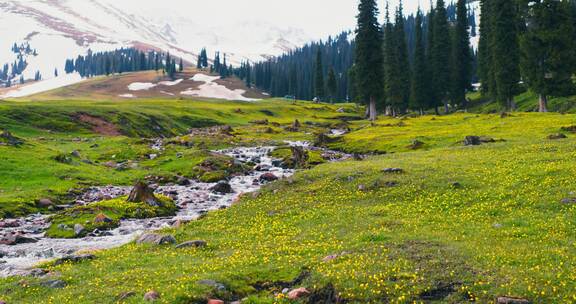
264,151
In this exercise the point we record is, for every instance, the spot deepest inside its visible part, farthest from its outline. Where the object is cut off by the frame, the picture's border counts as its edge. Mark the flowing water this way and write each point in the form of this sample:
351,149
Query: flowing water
194,200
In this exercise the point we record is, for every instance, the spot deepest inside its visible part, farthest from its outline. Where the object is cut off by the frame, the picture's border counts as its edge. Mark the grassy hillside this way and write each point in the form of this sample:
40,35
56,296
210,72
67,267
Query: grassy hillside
526,102
458,224
106,131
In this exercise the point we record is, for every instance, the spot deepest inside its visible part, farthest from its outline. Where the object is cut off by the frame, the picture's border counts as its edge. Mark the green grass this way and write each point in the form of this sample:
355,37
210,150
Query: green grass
49,128
460,224
62,223
526,102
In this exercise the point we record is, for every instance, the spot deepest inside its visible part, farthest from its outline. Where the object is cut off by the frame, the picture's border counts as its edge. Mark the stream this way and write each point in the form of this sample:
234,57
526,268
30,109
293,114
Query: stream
194,200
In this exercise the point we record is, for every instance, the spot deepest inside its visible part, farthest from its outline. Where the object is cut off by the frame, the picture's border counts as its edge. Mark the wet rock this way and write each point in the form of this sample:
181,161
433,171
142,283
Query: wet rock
74,259
15,239
195,244
54,284
102,218
222,187
298,293
511,300
182,181
44,203
151,296
267,177
156,239
211,283
392,170
556,136
9,224
78,230
37,273
125,295
141,193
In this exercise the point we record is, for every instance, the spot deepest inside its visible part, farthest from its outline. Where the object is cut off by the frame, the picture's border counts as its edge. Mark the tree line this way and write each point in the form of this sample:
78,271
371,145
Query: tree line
124,60
523,45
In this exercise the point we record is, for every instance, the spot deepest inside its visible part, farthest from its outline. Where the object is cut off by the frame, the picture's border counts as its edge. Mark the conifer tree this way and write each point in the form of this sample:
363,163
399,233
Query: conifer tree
505,50
419,75
441,56
548,50
332,85
485,72
461,63
248,75
181,65
319,77
369,73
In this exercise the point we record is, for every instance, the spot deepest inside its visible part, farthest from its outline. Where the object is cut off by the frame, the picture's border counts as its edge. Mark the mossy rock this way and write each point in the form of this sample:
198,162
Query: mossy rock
62,223
216,168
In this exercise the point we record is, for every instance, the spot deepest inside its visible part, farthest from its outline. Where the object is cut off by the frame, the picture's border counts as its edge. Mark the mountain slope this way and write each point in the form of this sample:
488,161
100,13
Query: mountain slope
61,29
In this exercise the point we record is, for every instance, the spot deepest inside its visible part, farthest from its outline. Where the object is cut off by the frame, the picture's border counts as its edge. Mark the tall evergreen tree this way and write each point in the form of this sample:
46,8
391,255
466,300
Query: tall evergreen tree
485,62
369,58
396,65
548,50
332,85
505,50
319,84
461,63
419,75
441,55
248,75
181,65
429,86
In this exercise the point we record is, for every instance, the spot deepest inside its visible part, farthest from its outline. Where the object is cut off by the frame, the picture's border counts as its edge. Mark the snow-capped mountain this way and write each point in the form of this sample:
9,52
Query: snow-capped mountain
62,29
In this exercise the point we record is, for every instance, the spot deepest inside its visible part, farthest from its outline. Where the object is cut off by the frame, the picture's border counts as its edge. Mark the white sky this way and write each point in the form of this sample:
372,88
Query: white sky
318,18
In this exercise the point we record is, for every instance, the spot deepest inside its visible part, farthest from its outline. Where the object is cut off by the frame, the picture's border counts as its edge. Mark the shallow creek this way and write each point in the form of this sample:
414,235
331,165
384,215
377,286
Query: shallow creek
193,200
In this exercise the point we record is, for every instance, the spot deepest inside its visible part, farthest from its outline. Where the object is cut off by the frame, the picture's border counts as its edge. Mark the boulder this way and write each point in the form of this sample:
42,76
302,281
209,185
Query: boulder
267,177
298,293
182,181
222,187
141,193
75,153
8,139
151,296
156,239
511,300
44,203
101,218
195,244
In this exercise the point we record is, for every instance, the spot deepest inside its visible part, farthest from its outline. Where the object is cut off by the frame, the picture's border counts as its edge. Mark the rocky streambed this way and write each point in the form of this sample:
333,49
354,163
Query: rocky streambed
23,244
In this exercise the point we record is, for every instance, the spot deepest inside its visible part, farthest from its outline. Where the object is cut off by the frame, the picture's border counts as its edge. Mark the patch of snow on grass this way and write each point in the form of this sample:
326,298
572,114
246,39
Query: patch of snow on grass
170,83
210,89
43,86
141,86
167,93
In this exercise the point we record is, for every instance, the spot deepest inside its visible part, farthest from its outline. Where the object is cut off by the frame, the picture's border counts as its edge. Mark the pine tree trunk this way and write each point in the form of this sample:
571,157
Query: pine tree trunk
373,109
436,111
543,103
367,114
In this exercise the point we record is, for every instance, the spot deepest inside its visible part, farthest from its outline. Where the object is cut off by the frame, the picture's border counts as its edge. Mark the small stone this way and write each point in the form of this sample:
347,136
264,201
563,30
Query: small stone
568,201
392,170
151,296
44,203
361,187
78,229
156,239
298,293
472,141
511,300
102,218
196,244
267,177
54,284
74,258
75,153
557,136
125,295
